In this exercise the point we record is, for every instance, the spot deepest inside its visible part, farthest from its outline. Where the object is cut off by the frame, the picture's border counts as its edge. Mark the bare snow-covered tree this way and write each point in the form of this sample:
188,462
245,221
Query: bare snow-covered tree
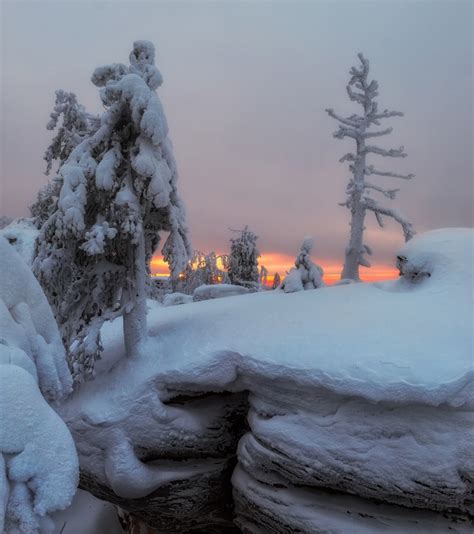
118,191
359,189
243,259
305,274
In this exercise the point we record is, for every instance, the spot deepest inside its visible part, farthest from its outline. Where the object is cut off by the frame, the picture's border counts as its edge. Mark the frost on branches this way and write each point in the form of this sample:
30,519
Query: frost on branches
359,189
203,269
118,191
305,274
243,259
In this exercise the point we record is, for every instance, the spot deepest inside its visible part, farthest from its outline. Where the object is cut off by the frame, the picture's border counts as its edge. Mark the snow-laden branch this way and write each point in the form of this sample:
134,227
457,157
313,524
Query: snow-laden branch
392,152
374,206
370,170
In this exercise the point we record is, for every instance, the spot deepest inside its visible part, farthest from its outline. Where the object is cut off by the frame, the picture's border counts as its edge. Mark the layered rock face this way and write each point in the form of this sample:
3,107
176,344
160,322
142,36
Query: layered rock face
193,442
315,461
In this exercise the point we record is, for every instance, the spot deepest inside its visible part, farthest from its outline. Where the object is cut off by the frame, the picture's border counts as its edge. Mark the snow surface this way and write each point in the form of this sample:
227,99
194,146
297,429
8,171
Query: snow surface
390,341
87,515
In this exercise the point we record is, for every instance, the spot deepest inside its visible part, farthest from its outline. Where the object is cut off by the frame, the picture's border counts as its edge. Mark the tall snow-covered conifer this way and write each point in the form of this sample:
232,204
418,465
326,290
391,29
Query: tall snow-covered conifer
243,259
359,189
118,191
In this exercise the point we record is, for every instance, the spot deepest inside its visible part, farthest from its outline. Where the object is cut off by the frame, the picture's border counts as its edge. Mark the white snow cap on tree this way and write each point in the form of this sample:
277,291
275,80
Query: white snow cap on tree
305,274
359,189
118,192
243,259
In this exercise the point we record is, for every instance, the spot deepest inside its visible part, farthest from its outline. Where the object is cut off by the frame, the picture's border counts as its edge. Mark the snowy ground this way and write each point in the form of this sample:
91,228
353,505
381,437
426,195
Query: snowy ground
366,388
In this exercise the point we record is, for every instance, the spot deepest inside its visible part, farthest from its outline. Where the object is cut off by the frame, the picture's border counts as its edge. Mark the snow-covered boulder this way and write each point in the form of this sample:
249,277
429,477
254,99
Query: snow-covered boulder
364,396
174,299
38,460
218,291
22,234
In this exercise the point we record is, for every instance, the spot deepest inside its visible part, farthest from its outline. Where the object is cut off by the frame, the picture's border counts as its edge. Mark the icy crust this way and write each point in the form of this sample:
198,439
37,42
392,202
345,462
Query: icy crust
29,336
280,509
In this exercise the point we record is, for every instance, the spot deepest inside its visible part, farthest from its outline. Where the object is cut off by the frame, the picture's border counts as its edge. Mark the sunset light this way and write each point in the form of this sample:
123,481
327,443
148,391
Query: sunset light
276,262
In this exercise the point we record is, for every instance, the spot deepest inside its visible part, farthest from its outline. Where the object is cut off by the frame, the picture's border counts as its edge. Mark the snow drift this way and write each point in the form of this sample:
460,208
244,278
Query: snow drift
38,460
365,390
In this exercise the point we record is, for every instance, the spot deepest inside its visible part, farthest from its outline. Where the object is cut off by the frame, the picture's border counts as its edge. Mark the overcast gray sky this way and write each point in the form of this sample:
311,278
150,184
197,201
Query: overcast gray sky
246,85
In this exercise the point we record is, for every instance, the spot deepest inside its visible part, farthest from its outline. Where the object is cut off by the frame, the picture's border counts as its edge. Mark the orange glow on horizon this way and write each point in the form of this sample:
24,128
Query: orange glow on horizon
276,262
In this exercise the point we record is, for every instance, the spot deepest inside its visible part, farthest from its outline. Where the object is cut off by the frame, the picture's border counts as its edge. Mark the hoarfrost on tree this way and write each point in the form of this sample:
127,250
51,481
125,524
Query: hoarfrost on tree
118,192
305,274
359,189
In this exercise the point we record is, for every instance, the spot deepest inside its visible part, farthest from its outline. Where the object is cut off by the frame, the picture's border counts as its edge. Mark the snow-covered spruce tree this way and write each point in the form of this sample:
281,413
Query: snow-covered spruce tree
359,189
118,191
305,274
243,259
202,269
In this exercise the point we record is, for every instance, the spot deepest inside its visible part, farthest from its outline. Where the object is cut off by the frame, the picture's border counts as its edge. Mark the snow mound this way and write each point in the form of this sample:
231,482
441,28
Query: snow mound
40,469
22,234
27,326
218,291
173,299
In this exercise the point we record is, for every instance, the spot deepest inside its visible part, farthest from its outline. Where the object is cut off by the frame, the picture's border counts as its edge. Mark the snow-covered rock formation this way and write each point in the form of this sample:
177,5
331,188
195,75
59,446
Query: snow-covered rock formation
38,460
360,411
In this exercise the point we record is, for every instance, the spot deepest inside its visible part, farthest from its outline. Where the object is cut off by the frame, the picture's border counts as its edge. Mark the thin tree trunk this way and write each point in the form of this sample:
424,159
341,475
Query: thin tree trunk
134,321
353,250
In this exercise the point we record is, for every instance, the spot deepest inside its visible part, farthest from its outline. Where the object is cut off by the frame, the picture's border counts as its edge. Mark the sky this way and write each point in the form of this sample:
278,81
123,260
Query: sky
245,89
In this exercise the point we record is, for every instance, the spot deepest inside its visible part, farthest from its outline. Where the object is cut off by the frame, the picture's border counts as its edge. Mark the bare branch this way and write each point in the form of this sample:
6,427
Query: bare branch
379,219
347,157
389,193
346,132
369,170
387,131
372,205
349,121
393,152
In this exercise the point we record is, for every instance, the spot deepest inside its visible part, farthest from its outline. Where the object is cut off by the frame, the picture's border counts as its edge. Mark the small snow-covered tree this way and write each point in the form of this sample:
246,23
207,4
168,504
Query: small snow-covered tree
243,259
359,189
305,274
118,191
276,281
